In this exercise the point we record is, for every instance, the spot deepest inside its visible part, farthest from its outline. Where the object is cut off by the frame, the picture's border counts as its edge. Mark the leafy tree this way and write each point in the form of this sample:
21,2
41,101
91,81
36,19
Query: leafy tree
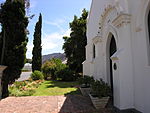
49,68
14,24
65,74
37,49
74,46
37,75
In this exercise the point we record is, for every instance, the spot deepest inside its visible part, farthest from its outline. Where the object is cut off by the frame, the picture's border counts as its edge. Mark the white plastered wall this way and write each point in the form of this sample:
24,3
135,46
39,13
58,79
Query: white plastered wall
141,54
134,60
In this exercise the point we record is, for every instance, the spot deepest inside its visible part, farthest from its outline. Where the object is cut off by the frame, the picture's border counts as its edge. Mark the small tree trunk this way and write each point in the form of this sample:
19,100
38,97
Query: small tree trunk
5,92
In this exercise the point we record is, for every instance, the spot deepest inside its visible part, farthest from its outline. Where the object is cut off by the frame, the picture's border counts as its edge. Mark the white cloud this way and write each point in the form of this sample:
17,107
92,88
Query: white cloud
57,23
52,41
67,33
51,36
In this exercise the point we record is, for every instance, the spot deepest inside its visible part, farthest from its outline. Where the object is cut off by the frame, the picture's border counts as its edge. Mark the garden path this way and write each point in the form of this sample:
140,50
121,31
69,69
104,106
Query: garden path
45,104
48,104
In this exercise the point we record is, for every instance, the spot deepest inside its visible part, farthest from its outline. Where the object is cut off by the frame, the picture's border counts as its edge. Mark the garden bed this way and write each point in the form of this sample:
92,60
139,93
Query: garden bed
43,88
24,88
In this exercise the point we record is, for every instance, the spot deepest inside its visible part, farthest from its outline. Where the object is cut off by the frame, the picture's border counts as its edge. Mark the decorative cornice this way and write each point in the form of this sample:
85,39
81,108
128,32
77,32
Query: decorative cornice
97,39
115,56
108,15
138,29
107,10
121,20
104,15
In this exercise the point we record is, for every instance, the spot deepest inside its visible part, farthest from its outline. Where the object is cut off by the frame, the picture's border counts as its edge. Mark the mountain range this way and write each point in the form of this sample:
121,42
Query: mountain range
53,55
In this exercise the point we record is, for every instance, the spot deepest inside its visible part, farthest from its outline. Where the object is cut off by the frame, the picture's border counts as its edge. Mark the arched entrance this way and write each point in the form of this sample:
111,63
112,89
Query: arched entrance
112,49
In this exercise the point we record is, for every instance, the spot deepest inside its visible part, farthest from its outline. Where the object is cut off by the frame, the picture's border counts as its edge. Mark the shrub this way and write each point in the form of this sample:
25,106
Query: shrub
37,75
100,88
86,80
18,84
49,68
54,69
18,93
66,74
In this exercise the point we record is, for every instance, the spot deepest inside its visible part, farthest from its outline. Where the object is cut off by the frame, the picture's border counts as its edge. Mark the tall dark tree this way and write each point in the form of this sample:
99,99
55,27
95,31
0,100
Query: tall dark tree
14,23
37,49
74,46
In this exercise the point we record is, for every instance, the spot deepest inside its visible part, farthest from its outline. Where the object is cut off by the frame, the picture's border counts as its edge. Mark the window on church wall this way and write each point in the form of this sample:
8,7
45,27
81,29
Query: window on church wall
149,26
94,51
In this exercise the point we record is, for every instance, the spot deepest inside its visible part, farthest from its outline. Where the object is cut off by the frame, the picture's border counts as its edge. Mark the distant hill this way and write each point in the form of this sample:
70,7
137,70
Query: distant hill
53,55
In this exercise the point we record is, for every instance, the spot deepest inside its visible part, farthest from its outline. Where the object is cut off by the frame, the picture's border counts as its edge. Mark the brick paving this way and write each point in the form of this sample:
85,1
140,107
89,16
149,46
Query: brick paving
46,104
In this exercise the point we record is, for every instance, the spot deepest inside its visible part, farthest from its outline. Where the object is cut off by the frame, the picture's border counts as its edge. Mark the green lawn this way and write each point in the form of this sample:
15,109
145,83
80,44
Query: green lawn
52,88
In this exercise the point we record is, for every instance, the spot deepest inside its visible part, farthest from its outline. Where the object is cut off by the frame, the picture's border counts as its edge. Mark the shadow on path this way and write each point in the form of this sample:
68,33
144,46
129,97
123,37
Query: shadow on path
77,104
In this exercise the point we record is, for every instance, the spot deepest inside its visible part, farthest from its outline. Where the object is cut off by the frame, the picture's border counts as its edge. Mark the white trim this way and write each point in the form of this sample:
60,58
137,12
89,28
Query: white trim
122,19
90,12
115,56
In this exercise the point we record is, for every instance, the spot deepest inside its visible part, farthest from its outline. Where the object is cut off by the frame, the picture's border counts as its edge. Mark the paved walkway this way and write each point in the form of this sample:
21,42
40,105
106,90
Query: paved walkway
46,104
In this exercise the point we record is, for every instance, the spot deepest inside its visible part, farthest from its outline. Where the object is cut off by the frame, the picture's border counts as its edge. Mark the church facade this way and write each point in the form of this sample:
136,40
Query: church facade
118,50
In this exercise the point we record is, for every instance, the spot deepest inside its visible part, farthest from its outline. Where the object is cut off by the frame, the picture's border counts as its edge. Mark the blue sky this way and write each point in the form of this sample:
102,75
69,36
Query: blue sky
56,17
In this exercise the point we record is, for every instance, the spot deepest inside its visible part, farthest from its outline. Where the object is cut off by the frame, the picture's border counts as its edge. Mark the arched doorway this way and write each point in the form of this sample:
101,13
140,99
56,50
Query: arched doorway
112,50
148,33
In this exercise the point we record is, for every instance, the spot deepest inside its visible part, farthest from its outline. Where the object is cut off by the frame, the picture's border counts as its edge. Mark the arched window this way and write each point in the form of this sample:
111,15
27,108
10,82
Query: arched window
149,26
94,51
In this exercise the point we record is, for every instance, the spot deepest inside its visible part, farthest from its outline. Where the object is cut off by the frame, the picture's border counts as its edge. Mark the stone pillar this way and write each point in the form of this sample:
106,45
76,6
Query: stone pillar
2,68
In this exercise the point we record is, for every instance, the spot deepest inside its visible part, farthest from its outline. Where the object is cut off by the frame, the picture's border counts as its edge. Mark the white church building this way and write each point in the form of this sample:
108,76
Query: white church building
118,50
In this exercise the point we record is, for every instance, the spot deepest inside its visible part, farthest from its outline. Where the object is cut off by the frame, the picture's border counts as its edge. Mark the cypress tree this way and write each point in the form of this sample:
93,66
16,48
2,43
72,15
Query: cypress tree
37,49
14,24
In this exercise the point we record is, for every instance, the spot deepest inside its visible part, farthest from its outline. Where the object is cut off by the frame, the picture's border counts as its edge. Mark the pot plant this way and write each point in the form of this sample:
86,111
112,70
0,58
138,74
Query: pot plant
85,83
100,94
